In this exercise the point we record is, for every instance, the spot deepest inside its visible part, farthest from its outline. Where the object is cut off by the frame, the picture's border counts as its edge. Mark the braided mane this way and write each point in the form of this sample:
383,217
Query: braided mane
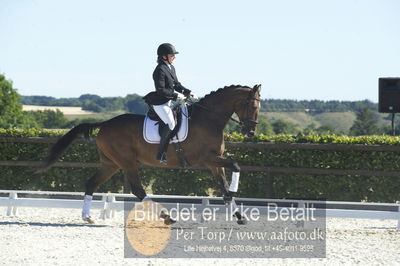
220,91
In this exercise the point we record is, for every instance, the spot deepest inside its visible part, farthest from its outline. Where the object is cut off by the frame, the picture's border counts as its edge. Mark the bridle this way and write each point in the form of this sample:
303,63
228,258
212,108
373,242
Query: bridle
241,123
250,97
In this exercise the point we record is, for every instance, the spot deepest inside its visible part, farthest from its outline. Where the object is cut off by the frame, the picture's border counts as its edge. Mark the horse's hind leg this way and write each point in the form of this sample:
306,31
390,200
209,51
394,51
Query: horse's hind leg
106,170
132,175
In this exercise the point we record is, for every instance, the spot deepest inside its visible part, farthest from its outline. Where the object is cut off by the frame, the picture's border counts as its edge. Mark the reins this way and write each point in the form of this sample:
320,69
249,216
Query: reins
240,123
211,111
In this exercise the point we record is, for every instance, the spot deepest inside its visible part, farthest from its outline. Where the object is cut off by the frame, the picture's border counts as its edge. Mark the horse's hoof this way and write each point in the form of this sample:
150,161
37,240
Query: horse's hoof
88,220
164,215
169,221
167,218
227,200
242,221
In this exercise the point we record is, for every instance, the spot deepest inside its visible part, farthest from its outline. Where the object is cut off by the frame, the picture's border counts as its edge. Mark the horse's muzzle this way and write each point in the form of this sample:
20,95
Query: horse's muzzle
251,133
248,132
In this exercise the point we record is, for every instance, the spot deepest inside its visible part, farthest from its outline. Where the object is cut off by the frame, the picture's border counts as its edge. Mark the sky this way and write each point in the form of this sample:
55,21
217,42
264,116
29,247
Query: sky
301,50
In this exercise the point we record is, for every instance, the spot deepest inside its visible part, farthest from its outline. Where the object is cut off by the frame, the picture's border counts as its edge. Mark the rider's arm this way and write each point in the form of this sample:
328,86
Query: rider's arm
159,82
179,87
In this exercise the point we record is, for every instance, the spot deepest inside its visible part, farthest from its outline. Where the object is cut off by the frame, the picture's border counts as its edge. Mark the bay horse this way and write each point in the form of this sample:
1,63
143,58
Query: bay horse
121,145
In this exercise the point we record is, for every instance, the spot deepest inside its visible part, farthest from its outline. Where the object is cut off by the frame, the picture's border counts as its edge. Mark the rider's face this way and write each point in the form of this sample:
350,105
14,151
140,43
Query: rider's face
170,58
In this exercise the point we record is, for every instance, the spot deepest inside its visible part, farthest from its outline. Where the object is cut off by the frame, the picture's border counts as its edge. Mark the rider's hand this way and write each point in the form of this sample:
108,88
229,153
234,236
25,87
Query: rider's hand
194,96
180,96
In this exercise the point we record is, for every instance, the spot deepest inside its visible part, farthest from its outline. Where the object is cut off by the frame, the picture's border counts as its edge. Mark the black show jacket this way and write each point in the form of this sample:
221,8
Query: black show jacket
166,83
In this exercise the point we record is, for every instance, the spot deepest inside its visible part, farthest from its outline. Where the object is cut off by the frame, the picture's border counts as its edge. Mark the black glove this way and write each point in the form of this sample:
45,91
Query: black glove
180,88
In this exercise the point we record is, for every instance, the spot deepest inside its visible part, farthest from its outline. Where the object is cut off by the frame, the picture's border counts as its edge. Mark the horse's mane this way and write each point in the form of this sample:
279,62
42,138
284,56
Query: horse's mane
220,91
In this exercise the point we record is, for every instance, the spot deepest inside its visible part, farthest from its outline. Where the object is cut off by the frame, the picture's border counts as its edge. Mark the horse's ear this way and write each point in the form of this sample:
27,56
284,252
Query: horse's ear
257,88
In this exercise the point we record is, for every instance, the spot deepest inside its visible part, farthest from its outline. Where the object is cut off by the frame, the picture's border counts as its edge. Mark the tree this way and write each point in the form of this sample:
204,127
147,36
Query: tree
264,127
91,106
327,130
75,122
48,118
135,104
366,122
322,130
11,114
232,127
281,126
89,97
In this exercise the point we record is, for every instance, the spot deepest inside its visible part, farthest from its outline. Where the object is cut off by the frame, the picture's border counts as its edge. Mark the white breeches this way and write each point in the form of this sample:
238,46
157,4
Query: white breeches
165,113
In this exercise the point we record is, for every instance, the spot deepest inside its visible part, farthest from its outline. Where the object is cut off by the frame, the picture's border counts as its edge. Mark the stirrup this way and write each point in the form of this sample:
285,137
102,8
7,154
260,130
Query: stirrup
162,157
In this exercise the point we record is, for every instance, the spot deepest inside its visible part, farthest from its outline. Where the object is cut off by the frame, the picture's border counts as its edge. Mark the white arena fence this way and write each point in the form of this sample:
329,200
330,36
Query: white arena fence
108,203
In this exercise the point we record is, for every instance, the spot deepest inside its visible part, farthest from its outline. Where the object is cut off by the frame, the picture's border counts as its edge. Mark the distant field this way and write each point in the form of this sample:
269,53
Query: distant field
301,119
72,113
341,121
64,109
99,116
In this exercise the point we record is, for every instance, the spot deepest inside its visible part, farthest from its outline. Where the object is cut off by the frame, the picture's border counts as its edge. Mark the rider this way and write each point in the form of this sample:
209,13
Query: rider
168,89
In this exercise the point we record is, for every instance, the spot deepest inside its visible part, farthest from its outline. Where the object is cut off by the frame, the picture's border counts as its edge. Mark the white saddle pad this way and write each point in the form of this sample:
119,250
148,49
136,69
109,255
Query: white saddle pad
150,129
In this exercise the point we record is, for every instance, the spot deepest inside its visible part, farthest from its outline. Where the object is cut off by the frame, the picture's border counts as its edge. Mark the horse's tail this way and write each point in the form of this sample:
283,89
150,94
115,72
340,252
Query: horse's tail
62,144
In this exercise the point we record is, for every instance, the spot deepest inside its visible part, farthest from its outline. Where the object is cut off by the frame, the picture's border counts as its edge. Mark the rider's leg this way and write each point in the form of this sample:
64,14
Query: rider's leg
165,113
166,133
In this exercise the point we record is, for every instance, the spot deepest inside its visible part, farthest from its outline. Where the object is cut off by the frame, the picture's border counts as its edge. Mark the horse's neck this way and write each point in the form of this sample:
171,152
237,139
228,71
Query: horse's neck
217,112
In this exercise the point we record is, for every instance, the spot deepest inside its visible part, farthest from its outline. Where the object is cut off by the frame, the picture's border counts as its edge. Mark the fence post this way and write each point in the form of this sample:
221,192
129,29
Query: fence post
11,209
127,185
204,204
104,211
107,212
301,205
270,194
112,210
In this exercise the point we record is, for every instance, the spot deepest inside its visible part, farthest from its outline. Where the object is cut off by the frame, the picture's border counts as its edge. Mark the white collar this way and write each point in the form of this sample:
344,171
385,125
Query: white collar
168,64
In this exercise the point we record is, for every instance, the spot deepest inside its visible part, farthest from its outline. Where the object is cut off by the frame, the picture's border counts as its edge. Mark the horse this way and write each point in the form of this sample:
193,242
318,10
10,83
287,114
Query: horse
121,145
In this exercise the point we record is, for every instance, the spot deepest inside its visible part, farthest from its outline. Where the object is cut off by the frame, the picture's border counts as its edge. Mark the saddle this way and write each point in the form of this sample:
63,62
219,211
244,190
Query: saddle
153,125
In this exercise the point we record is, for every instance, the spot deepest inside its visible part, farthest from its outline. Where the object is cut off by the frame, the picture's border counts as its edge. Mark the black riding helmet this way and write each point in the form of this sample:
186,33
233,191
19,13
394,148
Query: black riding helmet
166,48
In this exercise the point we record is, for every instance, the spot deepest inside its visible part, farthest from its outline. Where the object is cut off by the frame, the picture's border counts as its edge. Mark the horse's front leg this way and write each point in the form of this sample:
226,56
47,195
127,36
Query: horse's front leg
221,163
218,171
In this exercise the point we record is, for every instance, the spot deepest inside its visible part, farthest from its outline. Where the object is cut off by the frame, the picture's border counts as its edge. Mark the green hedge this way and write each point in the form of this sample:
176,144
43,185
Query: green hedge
190,182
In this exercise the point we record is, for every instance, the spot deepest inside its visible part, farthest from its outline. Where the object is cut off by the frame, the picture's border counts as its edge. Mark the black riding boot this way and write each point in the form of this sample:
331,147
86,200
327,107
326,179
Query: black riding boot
165,137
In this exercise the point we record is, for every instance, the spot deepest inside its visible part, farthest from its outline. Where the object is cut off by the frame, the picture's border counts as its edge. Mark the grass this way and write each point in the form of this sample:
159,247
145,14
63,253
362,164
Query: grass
301,119
341,121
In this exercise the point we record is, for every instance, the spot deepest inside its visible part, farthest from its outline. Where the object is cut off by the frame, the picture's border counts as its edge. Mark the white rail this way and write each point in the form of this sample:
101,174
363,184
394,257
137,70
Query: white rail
109,204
